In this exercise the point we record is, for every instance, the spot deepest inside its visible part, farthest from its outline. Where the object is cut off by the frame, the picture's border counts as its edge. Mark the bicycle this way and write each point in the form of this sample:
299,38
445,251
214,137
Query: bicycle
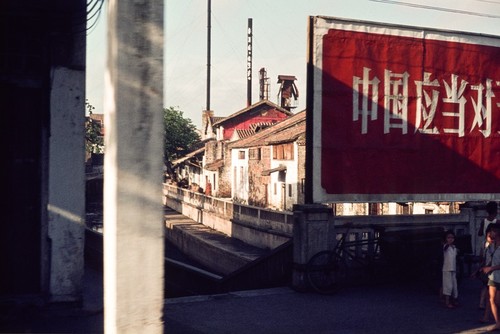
329,270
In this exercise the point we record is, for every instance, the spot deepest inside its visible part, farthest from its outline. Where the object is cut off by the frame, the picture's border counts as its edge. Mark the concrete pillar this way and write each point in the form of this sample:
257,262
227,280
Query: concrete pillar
133,228
313,231
66,199
476,212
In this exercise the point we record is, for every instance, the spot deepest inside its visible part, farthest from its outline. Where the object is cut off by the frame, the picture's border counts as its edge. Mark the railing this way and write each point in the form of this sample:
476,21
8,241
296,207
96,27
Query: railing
222,207
279,222
365,228
270,222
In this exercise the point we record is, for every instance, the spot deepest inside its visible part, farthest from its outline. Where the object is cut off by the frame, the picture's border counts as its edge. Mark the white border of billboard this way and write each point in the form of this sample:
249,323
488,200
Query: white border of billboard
321,25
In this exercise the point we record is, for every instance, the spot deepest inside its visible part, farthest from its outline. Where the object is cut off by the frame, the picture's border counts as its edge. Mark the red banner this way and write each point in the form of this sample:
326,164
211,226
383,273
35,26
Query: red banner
408,115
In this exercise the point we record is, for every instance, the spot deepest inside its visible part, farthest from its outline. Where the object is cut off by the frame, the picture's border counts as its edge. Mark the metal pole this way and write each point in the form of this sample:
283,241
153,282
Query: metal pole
309,114
249,62
209,26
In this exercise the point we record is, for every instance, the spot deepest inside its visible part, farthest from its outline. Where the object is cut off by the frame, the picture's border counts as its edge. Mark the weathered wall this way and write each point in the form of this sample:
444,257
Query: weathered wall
66,202
259,184
252,228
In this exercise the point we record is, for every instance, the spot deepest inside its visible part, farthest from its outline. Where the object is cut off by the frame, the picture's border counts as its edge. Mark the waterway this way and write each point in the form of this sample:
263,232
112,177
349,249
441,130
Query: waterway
174,286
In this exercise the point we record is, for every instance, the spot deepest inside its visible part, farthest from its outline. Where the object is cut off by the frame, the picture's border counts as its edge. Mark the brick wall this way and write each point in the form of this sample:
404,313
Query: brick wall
258,183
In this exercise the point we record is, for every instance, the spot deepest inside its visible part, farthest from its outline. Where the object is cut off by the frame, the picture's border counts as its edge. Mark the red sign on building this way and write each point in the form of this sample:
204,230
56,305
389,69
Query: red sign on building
403,113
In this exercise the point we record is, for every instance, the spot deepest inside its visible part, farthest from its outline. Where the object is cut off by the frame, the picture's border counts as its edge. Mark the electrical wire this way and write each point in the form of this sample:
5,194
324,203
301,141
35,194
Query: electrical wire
96,15
489,1
449,10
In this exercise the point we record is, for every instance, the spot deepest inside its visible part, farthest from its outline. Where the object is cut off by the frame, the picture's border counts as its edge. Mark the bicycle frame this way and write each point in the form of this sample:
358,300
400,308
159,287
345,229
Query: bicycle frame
328,270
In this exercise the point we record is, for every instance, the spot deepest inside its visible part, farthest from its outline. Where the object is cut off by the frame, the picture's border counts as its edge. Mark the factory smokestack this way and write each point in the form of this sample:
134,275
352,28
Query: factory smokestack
249,62
264,84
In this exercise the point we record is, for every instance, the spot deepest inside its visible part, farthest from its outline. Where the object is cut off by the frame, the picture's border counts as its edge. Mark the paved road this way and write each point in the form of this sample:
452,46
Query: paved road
380,309
375,309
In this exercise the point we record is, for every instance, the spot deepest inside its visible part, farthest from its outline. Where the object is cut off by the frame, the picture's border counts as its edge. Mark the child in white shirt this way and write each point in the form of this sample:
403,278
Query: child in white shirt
450,287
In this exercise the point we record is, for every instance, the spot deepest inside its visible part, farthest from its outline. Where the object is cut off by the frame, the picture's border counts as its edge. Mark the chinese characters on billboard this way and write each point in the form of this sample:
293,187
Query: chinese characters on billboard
404,113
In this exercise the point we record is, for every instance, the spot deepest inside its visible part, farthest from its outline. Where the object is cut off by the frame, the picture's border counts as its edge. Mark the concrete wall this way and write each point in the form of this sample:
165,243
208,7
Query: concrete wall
66,202
43,100
255,226
66,170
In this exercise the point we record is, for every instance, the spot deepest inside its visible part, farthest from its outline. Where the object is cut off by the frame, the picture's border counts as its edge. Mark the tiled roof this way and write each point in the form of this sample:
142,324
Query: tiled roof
213,166
268,172
287,130
99,117
188,156
253,129
217,119
244,133
249,108
256,127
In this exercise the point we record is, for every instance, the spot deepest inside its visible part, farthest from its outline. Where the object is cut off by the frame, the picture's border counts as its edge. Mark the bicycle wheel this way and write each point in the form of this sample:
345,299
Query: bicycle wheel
326,272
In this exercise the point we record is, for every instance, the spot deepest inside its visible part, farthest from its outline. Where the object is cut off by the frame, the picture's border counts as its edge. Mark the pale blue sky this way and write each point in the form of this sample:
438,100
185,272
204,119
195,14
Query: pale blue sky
279,43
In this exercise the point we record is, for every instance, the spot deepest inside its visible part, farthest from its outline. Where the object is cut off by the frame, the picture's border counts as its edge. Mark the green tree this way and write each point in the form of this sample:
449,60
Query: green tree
181,136
94,141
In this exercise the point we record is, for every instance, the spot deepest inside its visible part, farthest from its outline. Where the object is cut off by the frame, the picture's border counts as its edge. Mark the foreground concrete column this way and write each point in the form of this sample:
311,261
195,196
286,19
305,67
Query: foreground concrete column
313,231
133,229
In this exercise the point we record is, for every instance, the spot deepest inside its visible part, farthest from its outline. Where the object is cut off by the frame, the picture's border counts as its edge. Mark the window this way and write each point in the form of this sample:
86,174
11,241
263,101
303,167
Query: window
374,209
242,177
241,155
404,208
282,176
254,154
235,177
220,150
283,151
289,190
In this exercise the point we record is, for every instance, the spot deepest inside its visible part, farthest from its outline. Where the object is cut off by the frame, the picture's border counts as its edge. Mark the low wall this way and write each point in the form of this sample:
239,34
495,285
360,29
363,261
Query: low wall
258,227
314,228
268,229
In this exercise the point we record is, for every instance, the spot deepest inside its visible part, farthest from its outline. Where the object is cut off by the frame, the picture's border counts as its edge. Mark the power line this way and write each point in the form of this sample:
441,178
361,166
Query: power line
449,10
490,1
93,14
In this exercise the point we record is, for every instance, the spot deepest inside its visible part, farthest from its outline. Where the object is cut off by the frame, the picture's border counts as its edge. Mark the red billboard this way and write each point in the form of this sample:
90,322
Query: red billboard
403,113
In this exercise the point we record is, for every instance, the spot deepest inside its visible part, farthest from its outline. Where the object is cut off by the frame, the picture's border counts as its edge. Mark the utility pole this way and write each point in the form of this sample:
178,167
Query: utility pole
249,62
209,27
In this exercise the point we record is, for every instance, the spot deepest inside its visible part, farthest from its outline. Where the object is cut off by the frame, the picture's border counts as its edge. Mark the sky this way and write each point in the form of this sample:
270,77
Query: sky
279,43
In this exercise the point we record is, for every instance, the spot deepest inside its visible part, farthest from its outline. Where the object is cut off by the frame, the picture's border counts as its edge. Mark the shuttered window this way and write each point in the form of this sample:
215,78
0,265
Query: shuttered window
283,151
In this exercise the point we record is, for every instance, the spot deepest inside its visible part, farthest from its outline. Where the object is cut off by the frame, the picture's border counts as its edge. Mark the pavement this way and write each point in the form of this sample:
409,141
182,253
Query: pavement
32,316
384,308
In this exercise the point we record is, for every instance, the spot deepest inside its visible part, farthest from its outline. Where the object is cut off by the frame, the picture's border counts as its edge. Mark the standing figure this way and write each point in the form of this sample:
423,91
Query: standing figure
492,211
484,299
492,268
450,287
